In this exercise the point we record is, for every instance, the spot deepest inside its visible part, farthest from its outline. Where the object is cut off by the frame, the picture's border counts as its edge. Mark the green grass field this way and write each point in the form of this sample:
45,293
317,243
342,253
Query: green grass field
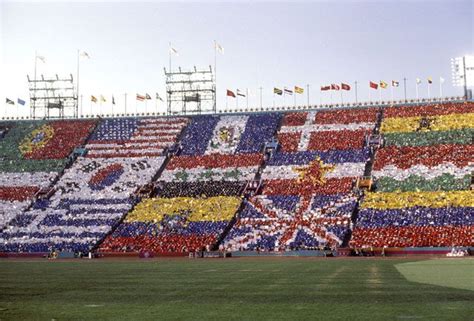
238,289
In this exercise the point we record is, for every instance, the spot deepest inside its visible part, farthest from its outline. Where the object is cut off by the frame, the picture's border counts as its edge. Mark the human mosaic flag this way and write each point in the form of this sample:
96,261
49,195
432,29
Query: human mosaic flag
317,131
307,197
423,179
91,197
178,224
425,149
219,155
134,137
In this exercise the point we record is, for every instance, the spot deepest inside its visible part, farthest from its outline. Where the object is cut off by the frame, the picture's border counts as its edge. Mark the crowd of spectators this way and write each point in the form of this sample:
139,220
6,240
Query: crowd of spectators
423,178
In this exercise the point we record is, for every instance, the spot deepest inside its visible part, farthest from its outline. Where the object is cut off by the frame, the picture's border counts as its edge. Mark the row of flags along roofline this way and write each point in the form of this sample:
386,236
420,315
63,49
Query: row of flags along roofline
236,93
102,98
395,83
342,86
19,101
288,91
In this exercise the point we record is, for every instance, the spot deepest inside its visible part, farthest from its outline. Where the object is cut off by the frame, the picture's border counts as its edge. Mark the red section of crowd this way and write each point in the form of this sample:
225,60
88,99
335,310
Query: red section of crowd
68,134
292,187
325,140
294,119
413,236
162,243
405,157
215,161
345,116
341,140
21,194
429,110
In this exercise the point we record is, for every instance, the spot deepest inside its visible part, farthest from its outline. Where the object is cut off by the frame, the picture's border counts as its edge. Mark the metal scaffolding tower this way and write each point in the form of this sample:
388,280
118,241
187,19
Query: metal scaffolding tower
190,92
52,97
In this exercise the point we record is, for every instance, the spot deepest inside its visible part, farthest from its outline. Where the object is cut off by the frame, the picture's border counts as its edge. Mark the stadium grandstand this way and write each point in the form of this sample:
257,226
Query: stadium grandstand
339,178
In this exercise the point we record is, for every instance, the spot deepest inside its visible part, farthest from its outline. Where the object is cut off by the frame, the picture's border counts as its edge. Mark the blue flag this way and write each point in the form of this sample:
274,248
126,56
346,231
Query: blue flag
21,102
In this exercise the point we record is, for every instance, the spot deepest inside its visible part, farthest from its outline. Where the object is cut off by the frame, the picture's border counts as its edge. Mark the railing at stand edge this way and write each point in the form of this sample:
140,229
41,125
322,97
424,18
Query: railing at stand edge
383,104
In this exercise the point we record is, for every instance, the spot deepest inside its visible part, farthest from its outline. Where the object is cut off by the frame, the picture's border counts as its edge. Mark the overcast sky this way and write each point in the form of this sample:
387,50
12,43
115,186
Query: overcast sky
267,44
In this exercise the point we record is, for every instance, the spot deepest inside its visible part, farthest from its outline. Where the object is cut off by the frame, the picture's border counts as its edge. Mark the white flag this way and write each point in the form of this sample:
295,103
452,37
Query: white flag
84,54
42,58
173,51
441,80
418,81
219,48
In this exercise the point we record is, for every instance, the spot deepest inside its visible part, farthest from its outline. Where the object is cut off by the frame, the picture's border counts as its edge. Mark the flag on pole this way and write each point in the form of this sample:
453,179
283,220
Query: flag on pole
93,99
102,99
10,102
277,91
85,55
288,91
140,97
441,80
418,81
158,97
21,102
299,90
373,85
239,93
147,96
113,100
325,88
219,48
335,87
383,84
345,86
230,93
173,50
430,80
42,58
395,83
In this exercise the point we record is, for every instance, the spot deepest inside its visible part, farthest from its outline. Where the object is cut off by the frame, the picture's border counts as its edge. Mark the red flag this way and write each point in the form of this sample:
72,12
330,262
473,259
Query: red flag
230,93
140,97
325,88
345,86
373,85
335,87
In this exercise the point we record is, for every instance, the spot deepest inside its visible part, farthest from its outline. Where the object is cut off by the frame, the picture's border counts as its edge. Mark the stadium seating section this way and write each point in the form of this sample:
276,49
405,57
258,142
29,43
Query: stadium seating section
74,185
423,179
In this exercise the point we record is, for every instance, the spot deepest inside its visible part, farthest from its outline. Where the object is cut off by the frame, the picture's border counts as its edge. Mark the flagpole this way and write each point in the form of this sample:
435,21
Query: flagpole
215,65
273,98
169,52
440,88
307,88
261,106
370,92
355,83
429,90
405,88
391,93
77,73
226,102
82,101
342,101
156,105
417,90
294,98
380,94
113,104
125,98
247,96
34,101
